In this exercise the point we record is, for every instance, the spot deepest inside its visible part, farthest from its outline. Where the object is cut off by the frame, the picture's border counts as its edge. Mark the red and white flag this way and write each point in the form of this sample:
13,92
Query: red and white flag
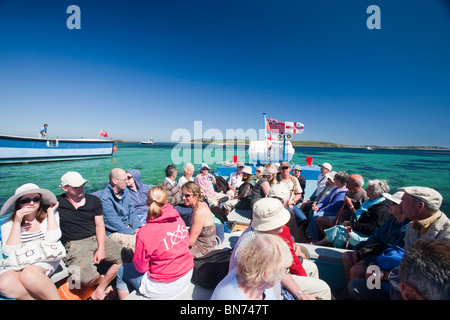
293,127
103,134
276,127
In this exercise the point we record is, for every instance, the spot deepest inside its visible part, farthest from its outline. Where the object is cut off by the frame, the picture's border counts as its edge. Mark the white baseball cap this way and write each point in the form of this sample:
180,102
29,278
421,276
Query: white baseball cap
73,179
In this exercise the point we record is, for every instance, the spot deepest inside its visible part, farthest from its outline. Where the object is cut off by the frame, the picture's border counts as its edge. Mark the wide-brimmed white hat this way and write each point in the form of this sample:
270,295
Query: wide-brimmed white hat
47,196
247,170
269,214
280,191
268,171
396,197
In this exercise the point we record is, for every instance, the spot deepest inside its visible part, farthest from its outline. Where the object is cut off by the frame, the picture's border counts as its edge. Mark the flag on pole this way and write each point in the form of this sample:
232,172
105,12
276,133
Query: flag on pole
293,127
103,134
275,126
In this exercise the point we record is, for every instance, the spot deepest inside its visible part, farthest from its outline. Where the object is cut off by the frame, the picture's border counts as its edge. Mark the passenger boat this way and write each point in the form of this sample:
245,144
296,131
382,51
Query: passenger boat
149,142
16,149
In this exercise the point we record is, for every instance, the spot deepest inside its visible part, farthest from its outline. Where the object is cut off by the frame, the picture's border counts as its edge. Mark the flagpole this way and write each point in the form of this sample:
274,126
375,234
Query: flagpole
265,127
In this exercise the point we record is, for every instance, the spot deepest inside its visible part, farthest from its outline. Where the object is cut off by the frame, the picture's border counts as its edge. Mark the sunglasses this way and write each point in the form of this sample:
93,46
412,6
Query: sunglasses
28,200
285,168
186,195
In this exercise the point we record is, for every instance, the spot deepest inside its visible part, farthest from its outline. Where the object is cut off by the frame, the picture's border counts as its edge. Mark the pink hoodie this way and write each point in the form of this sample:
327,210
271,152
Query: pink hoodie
162,247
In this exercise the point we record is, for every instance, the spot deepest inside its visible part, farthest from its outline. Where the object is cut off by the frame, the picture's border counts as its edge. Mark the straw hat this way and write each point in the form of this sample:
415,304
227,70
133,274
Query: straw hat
47,196
269,214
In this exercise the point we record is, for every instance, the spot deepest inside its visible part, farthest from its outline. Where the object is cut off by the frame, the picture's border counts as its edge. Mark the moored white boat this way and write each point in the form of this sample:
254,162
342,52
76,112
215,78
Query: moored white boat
17,149
149,141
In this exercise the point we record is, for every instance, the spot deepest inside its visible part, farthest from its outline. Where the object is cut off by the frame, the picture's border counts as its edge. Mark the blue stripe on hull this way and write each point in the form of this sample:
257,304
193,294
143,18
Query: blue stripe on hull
21,149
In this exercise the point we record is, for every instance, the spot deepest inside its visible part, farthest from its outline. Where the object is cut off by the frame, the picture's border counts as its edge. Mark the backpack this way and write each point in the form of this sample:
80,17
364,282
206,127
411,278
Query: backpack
210,269
221,185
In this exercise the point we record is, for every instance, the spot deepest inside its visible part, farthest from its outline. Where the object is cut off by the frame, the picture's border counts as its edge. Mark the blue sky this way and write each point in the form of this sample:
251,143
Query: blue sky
142,69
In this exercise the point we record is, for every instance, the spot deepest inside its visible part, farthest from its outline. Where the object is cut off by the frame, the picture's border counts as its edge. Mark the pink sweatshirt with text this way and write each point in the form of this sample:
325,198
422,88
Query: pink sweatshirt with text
162,247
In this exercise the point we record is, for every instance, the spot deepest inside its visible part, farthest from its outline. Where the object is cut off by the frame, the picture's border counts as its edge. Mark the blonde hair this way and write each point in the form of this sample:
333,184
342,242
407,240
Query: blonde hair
156,198
273,171
262,259
194,188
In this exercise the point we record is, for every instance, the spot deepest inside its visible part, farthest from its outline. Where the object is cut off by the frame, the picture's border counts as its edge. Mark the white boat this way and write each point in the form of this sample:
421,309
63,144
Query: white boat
149,141
17,149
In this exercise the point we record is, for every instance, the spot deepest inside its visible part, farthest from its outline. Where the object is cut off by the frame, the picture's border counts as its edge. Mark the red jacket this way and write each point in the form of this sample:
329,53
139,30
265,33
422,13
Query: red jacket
162,247
297,267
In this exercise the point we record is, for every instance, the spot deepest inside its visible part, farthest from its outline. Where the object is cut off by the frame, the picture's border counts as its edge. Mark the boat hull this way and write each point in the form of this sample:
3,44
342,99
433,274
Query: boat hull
14,149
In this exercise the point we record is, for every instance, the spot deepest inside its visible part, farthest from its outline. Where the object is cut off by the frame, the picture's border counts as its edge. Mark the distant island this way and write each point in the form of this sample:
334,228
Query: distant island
303,144
317,144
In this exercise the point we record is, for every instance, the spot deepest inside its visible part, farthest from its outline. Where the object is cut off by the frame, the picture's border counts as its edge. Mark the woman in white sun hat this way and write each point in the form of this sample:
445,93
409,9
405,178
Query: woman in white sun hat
31,220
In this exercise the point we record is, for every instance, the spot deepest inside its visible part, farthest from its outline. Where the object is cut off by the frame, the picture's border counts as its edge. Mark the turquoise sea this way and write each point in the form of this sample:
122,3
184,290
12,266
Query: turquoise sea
400,167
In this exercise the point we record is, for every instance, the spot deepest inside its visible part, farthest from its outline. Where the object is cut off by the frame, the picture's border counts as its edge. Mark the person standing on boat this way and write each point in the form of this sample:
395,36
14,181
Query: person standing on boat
83,234
121,219
43,131
29,222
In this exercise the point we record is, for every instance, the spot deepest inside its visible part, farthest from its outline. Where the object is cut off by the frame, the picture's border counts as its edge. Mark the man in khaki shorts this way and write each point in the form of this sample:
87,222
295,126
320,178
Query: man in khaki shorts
83,234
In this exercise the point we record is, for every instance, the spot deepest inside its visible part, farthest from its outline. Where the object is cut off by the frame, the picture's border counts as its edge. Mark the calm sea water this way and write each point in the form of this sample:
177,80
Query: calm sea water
400,167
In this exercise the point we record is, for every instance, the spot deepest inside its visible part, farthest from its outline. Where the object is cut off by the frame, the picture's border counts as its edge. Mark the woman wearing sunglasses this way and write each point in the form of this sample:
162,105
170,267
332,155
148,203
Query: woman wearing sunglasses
30,221
202,234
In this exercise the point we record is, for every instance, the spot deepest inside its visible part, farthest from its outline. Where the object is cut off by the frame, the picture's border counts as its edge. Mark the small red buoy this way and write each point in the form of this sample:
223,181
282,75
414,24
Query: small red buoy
114,148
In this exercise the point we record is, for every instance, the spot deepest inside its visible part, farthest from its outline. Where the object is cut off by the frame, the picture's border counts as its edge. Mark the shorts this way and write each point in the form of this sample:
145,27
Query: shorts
80,255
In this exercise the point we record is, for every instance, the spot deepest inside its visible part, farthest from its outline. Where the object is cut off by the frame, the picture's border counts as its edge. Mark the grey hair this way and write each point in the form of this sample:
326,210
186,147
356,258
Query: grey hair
342,176
431,207
381,186
426,267
187,166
